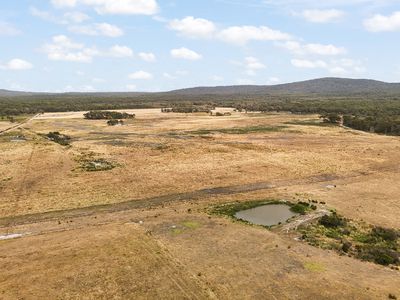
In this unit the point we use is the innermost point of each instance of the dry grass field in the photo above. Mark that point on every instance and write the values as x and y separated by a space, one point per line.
142 229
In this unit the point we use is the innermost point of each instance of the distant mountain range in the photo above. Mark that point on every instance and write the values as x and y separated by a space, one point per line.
322 86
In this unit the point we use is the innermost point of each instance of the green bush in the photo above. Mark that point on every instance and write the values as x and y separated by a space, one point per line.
300 208
114 122
379 255
107 115
332 221
389 235
59 138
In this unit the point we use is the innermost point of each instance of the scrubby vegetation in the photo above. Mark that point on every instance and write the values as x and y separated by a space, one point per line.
90 162
114 122
97 165
370 243
332 221
59 138
107 115
302 207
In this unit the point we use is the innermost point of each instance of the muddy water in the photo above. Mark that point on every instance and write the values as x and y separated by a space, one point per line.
266 215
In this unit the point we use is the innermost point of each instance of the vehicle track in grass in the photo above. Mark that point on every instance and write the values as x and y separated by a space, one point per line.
18 125
157 201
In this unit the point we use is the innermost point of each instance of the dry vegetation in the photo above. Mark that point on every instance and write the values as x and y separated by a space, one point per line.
170 168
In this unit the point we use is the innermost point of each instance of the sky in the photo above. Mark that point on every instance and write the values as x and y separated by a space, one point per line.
160 45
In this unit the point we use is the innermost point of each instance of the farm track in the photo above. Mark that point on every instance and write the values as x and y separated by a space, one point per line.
15 126
161 200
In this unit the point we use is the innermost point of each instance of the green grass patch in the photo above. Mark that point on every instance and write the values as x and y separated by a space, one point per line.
184 227
310 122
191 224
314 267
302 207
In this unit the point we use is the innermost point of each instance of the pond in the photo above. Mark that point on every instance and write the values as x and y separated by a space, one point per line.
266 215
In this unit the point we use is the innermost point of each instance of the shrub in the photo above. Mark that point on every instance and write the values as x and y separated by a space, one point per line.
379 255
114 122
59 138
300 207
332 118
99 164
389 235
346 246
107 115
332 221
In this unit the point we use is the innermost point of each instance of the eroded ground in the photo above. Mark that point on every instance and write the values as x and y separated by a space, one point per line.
161 242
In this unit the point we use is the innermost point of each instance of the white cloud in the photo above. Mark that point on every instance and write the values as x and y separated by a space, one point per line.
44 15
185 53
131 87
7 29
317 49
17 64
141 75
252 64
64 3
217 78
273 80
193 27
240 35
169 76
120 51
76 17
343 66
379 22
322 15
64 49
126 7
147 56
308 64
67 18
97 29
244 81
324 49
182 72
88 88
324 4
98 80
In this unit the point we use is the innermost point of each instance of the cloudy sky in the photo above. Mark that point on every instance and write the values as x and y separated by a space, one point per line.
157 45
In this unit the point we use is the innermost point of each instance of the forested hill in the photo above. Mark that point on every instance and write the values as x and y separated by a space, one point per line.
322 86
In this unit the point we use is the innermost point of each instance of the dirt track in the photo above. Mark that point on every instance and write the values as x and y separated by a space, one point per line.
155 201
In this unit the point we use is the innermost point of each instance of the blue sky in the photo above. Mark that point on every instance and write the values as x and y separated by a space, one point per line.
158 45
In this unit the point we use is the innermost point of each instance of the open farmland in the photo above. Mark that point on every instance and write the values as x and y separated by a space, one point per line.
142 229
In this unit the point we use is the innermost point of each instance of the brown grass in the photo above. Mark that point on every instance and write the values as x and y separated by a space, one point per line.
156 156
